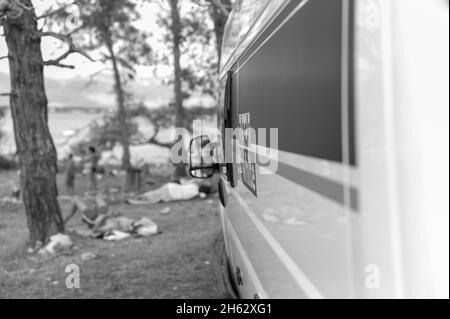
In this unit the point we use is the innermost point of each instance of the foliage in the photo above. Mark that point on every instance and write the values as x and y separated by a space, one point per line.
101 23
107 29
163 117
106 135
198 54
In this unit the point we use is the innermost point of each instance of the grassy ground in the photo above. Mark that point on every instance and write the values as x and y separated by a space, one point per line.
182 262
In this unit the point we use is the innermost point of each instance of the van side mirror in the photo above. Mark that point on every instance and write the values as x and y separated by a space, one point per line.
202 163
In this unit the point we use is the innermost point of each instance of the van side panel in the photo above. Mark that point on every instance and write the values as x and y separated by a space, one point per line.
293 227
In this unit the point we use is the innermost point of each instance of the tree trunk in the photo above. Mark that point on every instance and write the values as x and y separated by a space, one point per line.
176 37
125 140
219 19
35 147
180 168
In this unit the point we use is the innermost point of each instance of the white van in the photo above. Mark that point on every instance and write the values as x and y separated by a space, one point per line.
357 206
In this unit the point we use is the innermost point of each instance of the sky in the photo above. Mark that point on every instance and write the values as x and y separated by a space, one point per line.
84 67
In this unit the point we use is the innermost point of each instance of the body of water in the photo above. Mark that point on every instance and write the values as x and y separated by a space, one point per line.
62 124
59 123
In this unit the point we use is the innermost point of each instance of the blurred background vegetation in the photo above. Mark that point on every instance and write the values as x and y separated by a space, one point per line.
121 75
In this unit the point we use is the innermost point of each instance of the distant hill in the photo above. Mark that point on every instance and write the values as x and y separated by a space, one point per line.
99 94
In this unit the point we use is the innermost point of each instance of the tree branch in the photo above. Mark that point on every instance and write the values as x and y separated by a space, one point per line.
51 12
24 7
200 4
55 35
59 65
162 6
72 49
216 3
12 93
93 76
12 9
160 144
219 5
4 57
154 141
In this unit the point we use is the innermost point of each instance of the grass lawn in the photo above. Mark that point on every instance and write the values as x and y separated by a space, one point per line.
182 262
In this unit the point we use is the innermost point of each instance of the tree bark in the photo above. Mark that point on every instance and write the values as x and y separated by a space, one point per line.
219 15
176 39
35 147
125 140
180 168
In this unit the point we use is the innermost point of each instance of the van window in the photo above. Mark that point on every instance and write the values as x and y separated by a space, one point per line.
291 80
